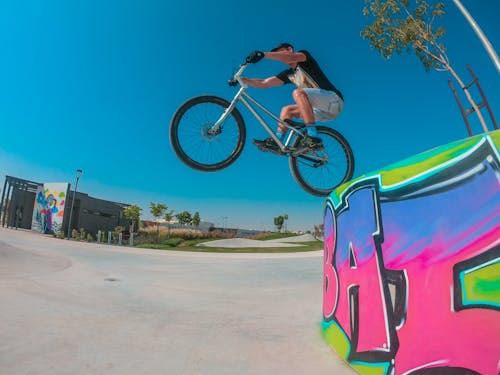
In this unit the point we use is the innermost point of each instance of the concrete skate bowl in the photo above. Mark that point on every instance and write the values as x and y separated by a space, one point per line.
412 264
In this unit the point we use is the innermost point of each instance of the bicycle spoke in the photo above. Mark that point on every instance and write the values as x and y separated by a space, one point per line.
197 143
319 172
202 147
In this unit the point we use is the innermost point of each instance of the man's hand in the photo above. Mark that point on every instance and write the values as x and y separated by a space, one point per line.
255 57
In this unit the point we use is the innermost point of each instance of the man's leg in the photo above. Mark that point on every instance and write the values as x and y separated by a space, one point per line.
304 106
288 113
306 110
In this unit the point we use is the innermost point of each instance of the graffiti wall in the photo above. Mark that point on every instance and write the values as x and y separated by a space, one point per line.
412 264
48 212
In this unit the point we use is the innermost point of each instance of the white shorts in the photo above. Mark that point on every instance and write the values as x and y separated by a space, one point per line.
326 104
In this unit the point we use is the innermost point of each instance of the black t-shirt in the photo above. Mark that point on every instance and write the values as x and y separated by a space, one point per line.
308 74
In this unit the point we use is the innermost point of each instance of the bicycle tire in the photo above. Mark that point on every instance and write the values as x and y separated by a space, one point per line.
340 166
198 149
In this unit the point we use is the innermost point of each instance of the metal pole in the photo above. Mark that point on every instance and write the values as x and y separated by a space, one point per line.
7 203
462 111
480 34
3 196
78 174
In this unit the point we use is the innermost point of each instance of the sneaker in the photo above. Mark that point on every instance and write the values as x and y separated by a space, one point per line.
267 145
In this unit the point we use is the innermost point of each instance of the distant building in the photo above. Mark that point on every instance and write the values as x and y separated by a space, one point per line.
46 207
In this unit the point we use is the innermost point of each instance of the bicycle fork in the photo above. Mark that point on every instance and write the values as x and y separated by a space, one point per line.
215 128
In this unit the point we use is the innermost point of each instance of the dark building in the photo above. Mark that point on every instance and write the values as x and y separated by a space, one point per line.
18 198
92 214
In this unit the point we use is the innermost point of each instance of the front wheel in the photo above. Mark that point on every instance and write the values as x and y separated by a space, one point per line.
197 143
319 172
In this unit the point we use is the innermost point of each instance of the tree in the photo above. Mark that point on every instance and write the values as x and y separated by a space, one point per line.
169 215
195 220
319 231
278 222
133 213
285 218
184 218
400 25
157 210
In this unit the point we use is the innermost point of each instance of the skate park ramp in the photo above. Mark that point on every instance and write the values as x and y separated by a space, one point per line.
412 264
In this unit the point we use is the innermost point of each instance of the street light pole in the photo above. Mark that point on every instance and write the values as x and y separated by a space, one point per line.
78 174
480 34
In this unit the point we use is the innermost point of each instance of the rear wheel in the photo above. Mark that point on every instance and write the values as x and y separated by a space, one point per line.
196 143
319 172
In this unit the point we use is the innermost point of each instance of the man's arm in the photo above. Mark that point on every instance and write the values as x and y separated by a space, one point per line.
286 57
263 83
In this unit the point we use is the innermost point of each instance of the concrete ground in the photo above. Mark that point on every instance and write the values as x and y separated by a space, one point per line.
76 308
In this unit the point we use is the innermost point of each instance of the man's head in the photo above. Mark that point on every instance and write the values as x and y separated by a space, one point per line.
283 47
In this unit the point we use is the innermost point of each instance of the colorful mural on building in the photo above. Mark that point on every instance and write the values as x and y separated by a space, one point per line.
412 264
48 212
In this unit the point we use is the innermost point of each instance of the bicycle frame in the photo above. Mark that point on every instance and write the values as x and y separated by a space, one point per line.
246 99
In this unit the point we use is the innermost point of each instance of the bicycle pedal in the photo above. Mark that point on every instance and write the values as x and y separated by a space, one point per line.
297 153
275 152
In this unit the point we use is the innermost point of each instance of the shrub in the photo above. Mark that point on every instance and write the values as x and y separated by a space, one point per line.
82 234
119 229
151 235
173 242
104 236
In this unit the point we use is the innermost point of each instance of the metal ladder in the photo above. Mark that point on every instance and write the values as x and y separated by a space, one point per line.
484 103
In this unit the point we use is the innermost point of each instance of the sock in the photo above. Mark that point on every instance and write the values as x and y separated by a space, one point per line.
279 135
311 130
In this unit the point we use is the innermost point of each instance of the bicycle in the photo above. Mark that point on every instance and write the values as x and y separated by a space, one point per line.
208 134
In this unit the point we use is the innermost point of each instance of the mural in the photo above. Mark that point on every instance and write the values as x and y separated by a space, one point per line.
48 212
412 264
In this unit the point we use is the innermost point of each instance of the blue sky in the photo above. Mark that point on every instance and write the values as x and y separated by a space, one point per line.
94 84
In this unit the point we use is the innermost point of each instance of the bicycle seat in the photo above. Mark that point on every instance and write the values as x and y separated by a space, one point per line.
295 124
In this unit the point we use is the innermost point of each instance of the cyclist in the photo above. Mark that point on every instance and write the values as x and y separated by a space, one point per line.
316 98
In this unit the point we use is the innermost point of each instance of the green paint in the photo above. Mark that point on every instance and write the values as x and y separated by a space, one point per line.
338 340
495 136
482 286
371 369
420 164
423 162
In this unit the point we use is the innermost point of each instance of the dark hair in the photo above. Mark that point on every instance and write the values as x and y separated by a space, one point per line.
281 45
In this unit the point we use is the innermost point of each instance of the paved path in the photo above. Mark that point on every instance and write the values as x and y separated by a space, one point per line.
246 242
77 308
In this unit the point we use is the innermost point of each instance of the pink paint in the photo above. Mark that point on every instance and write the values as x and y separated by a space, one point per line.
434 332
413 246
330 287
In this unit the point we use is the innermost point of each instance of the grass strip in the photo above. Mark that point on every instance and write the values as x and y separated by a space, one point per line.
190 246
